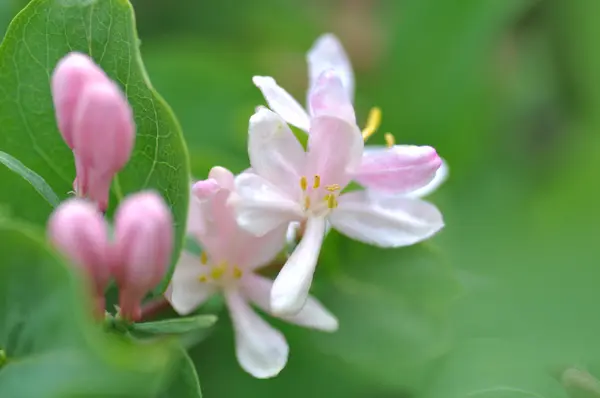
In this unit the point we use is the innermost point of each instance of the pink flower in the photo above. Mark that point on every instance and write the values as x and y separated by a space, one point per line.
227 265
95 121
288 184
79 231
409 170
143 246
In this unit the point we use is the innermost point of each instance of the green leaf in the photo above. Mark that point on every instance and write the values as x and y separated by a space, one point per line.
52 346
31 177
175 326
391 306
39 36
184 382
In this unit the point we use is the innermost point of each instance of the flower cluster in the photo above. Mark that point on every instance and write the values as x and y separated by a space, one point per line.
243 222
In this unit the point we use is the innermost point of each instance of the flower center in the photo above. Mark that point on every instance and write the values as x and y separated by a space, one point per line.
373 123
318 199
220 273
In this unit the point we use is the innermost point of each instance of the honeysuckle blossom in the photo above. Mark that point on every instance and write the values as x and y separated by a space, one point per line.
228 265
95 121
409 170
287 184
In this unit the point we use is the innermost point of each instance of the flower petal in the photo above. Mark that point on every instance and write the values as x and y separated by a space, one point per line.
313 315
335 150
257 251
328 97
261 350
290 289
441 176
186 292
385 221
400 169
282 103
275 153
260 207
328 53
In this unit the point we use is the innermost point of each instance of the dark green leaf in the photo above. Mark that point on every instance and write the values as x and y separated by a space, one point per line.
44 32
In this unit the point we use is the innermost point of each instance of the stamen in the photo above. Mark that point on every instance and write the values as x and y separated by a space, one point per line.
303 183
333 187
306 202
331 201
237 273
203 258
203 278
390 141
217 272
317 182
373 123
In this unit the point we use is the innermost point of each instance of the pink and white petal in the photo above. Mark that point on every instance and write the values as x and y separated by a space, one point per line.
400 169
261 207
335 149
255 252
186 292
223 177
328 53
261 350
282 103
195 218
441 176
313 315
385 221
275 153
290 289
328 97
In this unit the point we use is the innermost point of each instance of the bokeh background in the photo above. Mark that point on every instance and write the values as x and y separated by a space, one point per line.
504 302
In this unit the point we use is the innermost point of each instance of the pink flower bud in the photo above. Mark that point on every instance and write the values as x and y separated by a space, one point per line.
79 231
103 137
206 188
144 242
70 77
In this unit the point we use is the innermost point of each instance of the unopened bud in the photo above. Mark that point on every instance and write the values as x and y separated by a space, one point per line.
70 76
144 242
79 231
103 135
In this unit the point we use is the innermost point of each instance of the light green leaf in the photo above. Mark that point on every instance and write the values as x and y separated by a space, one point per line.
44 32
176 325
184 382
31 177
52 346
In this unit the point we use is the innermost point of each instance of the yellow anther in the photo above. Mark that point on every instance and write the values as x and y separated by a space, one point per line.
217 272
317 182
303 183
333 187
373 123
203 258
237 273
331 201
203 278
306 202
390 141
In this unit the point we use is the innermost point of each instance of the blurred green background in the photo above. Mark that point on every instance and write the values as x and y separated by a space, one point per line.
505 300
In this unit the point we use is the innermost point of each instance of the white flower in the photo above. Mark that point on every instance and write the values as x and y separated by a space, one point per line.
407 170
227 265
288 184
